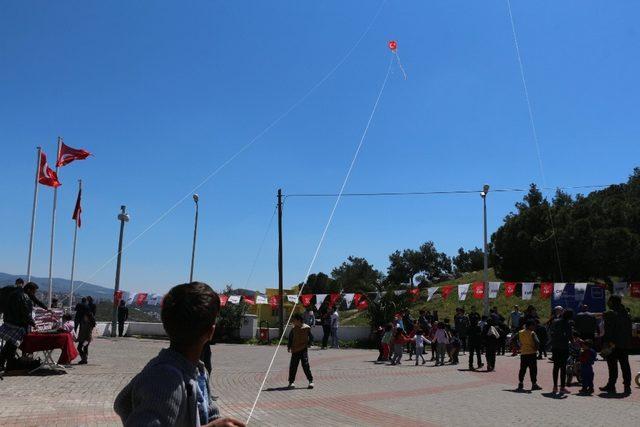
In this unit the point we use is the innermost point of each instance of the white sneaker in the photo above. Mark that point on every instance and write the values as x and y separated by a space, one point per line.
310 385
291 385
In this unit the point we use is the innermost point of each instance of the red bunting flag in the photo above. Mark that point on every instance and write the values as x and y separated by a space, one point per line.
509 289
68 155
362 305
356 299
333 298
635 290
78 209
546 290
478 290
46 175
249 300
223 299
274 301
415 294
446 290
141 298
305 299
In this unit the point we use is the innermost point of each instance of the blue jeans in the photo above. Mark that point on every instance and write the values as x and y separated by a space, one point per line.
334 338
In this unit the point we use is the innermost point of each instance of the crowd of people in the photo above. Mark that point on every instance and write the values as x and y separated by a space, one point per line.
573 340
16 307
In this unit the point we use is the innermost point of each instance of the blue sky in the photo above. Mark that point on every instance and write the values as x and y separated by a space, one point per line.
164 92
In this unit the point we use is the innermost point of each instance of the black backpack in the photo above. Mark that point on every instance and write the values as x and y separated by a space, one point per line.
5 296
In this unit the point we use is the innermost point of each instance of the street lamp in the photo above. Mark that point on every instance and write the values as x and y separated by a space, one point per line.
123 217
485 271
195 233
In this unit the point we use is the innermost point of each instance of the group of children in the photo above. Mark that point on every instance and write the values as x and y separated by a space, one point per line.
395 339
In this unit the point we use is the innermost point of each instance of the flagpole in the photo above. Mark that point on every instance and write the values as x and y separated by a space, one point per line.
53 226
33 214
73 257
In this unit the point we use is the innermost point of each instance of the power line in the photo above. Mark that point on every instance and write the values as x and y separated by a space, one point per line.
441 192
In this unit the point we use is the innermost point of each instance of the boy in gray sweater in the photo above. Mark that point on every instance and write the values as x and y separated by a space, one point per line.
173 389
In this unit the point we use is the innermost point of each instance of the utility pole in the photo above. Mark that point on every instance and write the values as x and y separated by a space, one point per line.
485 270
123 217
280 289
195 234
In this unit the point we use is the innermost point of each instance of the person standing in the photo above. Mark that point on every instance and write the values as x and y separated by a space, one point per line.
587 359
298 345
81 309
528 348
514 319
561 336
461 324
491 335
310 317
335 324
123 316
326 328
474 340
441 338
617 337
17 319
586 324
92 306
85 334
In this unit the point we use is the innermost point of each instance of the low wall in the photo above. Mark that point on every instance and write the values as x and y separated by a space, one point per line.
249 330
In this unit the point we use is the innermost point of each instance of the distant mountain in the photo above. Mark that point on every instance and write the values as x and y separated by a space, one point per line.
62 286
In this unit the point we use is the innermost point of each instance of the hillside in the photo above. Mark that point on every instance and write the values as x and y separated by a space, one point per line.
61 286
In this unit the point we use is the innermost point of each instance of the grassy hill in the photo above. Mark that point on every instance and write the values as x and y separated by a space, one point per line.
446 308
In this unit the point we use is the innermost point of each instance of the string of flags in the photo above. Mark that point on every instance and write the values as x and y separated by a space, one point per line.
359 301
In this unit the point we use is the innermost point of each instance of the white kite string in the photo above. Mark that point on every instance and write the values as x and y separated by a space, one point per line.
400 64
249 144
534 131
324 233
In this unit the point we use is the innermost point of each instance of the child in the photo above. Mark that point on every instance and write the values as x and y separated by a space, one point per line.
399 340
455 345
173 389
87 323
420 341
299 339
528 355
587 358
442 339
386 342
67 323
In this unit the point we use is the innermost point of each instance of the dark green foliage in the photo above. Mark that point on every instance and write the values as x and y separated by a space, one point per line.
432 265
468 261
356 275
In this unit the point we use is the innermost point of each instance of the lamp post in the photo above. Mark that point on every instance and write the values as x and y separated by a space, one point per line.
195 234
485 270
123 217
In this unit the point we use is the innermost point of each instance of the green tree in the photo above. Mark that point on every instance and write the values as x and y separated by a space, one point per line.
356 275
320 283
467 261
427 262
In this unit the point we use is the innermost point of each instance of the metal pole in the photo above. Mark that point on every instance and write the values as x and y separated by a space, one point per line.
123 217
53 226
73 257
33 214
195 234
485 272
280 288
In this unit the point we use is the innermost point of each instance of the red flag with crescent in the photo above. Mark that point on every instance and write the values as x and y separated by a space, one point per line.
446 290
478 290
546 290
305 299
509 289
46 175
68 155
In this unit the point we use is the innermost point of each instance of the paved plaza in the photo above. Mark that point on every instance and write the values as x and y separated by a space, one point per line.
350 390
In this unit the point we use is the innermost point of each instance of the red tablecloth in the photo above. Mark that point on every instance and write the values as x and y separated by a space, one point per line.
39 342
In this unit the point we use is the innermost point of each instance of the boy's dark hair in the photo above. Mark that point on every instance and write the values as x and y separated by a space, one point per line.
66 317
19 281
297 316
30 286
188 311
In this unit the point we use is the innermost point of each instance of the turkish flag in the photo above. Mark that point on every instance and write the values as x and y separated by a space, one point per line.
78 209
415 294
274 302
117 296
141 298
249 300
546 290
362 305
333 298
68 155
635 290
305 299
446 290
46 175
223 300
478 290
509 289
356 299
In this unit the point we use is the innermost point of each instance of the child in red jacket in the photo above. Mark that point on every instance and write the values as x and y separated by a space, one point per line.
399 340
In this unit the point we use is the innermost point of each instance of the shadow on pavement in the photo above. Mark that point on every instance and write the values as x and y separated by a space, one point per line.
612 395
515 390
554 395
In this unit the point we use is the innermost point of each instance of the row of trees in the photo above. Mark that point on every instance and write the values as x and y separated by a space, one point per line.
593 237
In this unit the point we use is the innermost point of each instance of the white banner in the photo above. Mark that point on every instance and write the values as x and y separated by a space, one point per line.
494 288
234 299
620 288
319 300
580 290
292 299
154 299
527 291
261 299
558 289
431 292
348 299
132 298
462 291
